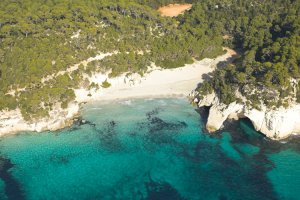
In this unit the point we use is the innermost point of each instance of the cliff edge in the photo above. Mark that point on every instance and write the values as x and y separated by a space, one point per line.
276 124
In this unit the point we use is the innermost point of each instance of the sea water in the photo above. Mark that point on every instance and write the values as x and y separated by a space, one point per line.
148 149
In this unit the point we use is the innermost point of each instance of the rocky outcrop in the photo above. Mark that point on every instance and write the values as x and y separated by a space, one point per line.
12 120
275 124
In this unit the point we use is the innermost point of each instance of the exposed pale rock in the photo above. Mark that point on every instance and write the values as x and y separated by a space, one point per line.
218 112
12 121
275 124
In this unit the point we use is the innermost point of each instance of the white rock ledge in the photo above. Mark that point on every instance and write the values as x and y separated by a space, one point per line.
275 124
13 122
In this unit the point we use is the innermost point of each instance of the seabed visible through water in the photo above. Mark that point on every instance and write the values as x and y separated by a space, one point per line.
148 149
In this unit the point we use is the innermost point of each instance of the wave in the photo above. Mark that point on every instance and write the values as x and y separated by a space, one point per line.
127 102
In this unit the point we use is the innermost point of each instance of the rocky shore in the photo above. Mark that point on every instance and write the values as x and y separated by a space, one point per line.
13 122
275 124
156 82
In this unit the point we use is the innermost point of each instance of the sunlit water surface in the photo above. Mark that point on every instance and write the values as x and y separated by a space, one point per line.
148 149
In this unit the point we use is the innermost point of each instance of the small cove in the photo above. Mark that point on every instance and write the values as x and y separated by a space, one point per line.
148 149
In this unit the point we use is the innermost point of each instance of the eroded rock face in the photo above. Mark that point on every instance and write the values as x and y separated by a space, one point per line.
12 121
275 124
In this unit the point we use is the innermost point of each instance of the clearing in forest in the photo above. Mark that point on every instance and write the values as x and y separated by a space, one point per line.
173 10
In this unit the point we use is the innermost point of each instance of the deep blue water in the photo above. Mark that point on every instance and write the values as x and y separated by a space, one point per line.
148 149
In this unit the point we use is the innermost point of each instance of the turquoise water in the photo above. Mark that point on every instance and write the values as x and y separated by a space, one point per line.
148 149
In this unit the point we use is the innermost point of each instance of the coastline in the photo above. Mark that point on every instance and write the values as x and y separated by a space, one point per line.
156 83
276 124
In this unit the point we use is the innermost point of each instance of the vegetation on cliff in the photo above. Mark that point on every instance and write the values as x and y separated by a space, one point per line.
267 33
42 37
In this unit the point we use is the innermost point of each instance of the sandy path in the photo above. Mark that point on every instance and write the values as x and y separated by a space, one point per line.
173 10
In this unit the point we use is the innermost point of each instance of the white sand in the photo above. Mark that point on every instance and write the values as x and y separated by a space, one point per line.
157 83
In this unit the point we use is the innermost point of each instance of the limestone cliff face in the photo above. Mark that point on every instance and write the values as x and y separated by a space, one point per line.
12 121
275 124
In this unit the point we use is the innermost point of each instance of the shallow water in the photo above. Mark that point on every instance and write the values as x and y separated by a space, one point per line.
148 149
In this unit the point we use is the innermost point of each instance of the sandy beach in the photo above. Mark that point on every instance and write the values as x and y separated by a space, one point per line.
156 83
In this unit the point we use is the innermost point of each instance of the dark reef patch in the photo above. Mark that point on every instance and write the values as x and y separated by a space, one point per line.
251 170
108 136
12 188
77 125
258 165
222 197
157 125
158 130
61 159
152 113
161 191
80 122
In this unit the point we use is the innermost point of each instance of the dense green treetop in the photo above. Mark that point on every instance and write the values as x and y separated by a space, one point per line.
38 38
267 33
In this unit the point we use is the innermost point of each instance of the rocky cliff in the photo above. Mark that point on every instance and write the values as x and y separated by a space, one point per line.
12 121
275 124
